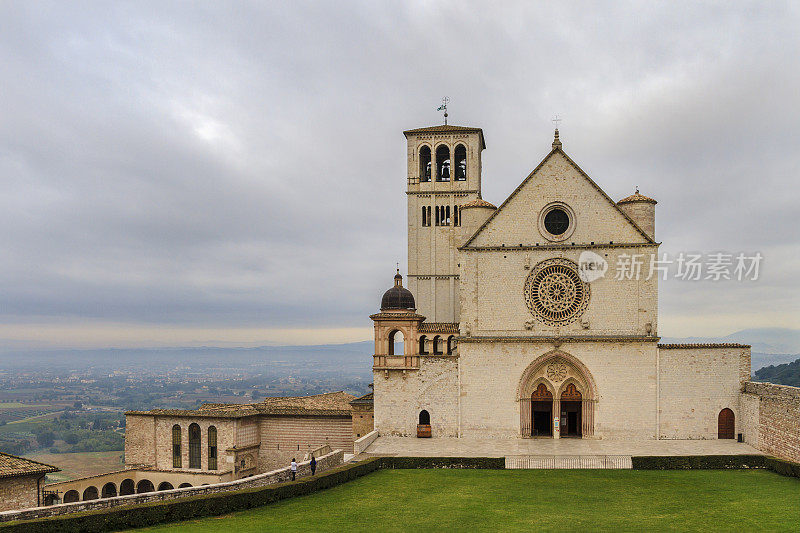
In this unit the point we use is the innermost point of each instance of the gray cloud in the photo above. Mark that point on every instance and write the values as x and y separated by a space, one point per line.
242 165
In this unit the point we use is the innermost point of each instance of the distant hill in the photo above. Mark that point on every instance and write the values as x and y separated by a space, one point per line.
770 346
785 374
355 354
763 340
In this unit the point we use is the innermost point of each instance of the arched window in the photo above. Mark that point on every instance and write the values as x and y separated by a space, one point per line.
461 162
72 496
396 343
424 217
176 446
429 215
184 485
424 418
438 218
90 494
194 446
165 485
455 216
422 349
443 163
212 448
451 342
437 345
425 164
447 216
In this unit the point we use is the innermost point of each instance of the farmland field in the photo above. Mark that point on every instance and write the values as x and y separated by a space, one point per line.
75 465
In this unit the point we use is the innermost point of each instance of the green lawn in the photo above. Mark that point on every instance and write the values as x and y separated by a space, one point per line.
516 500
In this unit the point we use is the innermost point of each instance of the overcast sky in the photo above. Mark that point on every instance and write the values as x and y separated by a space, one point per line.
234 173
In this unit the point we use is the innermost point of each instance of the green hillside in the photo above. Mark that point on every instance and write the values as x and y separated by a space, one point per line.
521 500
785 374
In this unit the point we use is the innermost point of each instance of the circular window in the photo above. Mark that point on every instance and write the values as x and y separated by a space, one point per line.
554 293
556 221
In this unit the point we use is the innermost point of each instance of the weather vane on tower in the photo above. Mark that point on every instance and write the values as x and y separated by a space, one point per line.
443 107
556 120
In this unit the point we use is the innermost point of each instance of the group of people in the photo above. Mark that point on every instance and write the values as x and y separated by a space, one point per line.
312 464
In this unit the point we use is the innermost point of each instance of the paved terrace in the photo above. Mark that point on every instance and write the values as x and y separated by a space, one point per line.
474 447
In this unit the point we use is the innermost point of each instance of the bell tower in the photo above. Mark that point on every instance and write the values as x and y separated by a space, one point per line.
444 173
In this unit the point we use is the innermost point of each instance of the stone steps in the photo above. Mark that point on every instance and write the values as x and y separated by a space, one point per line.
553 462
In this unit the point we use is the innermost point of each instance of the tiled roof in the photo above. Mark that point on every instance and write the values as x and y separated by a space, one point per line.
703 345
478 202
447 128
331 403
439 327
13 466
367 398
636 197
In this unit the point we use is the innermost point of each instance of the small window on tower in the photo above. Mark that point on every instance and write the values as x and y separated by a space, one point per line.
424 217
455 215
443 163
461 162
425 164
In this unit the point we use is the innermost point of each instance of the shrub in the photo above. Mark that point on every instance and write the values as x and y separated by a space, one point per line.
784 468
445 462
147 514
702 462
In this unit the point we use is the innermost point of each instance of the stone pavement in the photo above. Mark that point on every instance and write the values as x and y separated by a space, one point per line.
472 447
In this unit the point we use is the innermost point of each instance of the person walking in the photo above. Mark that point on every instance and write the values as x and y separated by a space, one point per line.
294 468
313 465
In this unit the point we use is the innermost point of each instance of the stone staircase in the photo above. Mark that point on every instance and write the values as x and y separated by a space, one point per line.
552 462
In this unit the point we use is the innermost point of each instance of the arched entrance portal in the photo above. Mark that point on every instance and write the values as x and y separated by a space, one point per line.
557 397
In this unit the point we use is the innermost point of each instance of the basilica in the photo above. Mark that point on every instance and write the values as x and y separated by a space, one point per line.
513 324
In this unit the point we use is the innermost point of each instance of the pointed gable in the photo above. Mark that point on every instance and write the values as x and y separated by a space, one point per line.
558 179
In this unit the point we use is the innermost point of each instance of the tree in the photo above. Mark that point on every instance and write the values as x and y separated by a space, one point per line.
46 439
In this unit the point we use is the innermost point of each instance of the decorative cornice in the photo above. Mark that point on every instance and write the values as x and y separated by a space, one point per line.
463 192
528 247
678 346
559 339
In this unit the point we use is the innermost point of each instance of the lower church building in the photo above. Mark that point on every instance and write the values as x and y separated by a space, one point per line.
514 324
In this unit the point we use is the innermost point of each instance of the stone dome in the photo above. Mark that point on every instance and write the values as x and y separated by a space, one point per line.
398 297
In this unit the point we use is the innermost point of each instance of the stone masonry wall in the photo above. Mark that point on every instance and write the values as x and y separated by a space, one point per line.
775 427
140 444
624 374
363 420
696 384
400 398
19 492
292 436
268 478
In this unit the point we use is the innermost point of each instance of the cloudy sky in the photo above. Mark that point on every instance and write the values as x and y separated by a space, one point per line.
233 173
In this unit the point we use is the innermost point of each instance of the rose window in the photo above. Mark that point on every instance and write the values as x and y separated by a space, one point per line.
554 293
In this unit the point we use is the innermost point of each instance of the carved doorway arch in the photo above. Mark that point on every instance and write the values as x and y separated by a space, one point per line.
572 396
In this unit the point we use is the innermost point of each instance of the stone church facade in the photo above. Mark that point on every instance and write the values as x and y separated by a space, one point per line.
509 329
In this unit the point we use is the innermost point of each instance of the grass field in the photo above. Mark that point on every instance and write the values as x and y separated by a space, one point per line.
515 500
75 465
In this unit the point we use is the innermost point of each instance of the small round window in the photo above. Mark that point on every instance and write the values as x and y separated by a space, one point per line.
556 221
